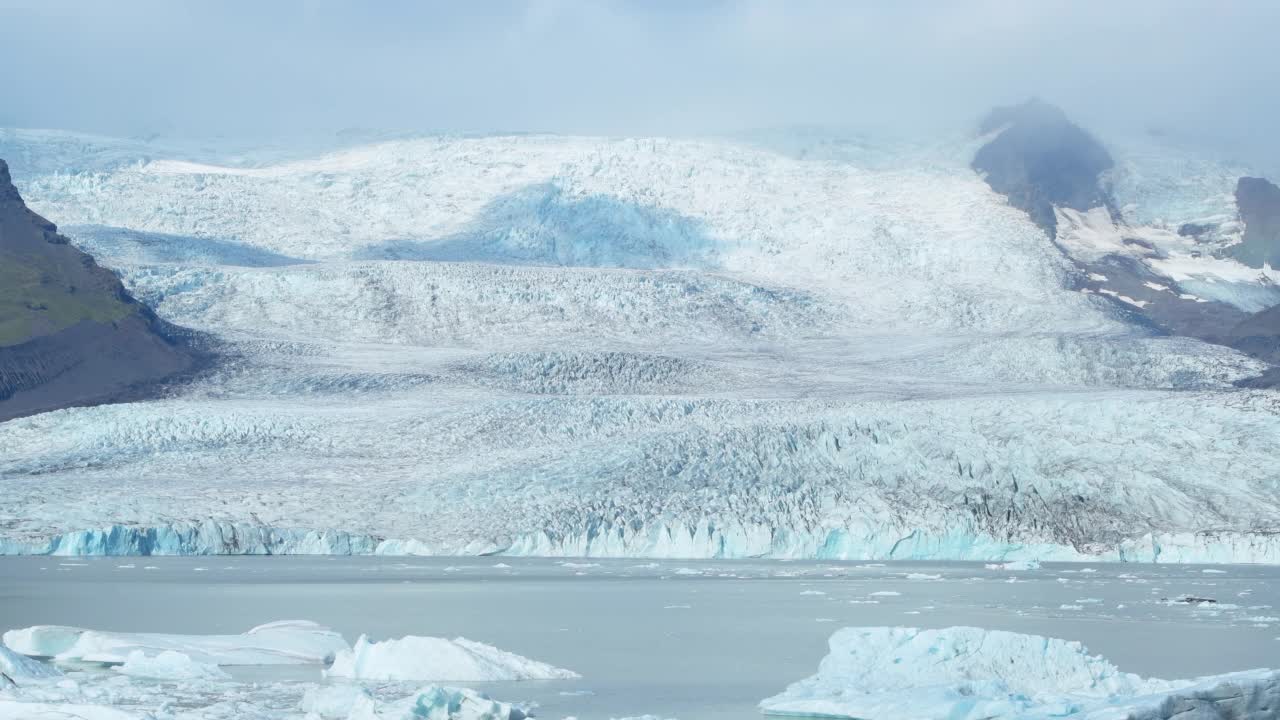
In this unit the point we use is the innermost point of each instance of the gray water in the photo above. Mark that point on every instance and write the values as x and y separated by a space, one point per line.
652 637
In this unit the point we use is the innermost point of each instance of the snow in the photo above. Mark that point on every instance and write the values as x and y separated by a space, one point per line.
169 665
1190 266
438 659
962 673
661 348
291 642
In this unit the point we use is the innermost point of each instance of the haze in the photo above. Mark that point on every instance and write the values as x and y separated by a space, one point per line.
273 69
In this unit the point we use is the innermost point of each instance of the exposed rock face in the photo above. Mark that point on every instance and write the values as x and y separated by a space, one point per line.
70 334
1041 160
1259 204
1259 335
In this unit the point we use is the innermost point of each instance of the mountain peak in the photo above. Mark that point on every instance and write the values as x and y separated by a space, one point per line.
1258 201
7 191
1040 161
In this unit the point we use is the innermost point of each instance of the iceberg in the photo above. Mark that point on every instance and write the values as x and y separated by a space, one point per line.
438 659
169 665
17 667
967 673
289 642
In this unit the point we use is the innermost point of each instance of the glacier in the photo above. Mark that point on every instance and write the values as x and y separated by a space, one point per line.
557 345
959 673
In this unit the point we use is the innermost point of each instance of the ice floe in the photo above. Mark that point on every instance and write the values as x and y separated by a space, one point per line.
169 665
1015 565
966 673
438 703
353 702
435 659
16 710
289 642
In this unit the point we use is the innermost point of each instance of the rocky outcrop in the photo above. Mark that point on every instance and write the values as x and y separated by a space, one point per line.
70 334
1259 335
1258 201
1040 160
1047 166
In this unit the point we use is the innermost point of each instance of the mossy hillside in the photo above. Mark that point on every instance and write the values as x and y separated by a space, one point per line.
36 298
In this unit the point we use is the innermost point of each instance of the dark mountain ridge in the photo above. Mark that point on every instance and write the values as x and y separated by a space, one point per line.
70 334
1040 161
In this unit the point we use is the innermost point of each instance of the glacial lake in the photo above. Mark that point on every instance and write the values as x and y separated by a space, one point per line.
693 640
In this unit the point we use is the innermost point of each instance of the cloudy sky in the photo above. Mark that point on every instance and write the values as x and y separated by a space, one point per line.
240 67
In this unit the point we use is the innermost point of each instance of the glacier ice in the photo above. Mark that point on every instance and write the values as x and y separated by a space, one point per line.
758 354
961 673
438 659
20 668
289 642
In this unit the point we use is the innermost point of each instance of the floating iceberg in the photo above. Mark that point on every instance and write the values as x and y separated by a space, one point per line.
290 642
169 665
18 668
965 673
438 659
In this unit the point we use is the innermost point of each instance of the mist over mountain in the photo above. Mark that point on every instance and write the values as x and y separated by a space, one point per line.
143 68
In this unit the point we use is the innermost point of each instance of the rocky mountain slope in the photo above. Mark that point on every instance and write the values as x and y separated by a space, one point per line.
70 334
1259 203
1171 279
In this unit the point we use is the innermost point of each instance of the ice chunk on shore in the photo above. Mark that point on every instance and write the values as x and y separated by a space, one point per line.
965 673
290 642
169 665
19 667
438 659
